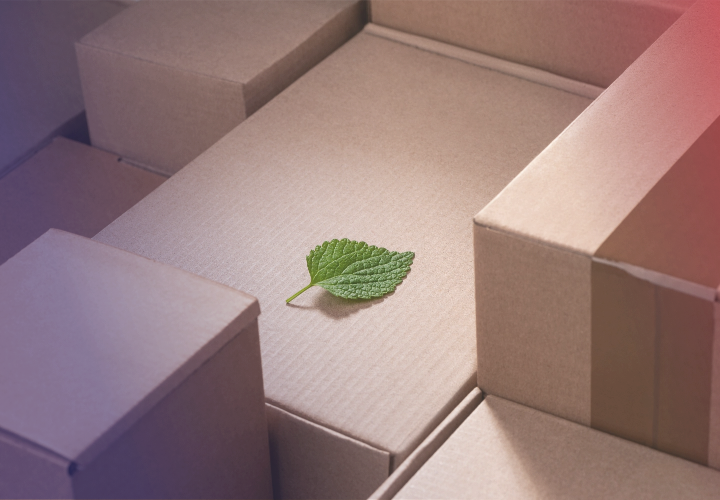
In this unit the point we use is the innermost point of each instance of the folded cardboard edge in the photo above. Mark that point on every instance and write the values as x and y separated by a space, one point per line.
428 447
203 355
485 61
654 277
310 460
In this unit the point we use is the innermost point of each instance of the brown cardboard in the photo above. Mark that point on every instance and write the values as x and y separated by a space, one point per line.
505 450
166 80
630 191
68 186
299 449
590 41
400 148
428 447
40 95
137 379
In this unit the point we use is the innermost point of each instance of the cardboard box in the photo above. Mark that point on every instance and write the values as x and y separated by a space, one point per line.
592 41
505 450
68 186
40 95
596 268
389 142
126 378
165 80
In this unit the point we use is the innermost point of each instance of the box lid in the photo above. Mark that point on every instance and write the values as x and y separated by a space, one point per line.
506 450
582 186
94 336
232 41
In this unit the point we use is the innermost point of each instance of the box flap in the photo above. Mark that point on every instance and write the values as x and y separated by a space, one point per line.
577 191
505 450
383 143
674 230
232 41
94 336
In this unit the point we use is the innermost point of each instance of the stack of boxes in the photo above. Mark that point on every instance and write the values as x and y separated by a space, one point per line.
594 297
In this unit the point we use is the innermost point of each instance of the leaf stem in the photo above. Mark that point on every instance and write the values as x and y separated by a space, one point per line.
301 291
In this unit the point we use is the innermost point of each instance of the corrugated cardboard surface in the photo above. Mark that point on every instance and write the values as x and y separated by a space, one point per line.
310 461
528 352
673 229
577 192
73 375
68 186
165 80
505 450
590 41
39 84
28 471
428 447
205 439
382 143
644 214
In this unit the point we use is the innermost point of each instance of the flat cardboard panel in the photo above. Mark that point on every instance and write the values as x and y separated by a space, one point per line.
579 190
311 461
166 80
68 186
428 447
623 354
590 41
74 343
156 115
39 85
505 450
686 330
400 149
669 230
182 450
533 324
30 472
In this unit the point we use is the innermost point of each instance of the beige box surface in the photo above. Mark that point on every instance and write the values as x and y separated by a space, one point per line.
592 41
68 186
165 80
40 95
597 269
126 378
506 450
381 142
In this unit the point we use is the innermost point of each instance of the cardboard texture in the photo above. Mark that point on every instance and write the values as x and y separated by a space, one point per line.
428 447
505 450
590 41
40 95
310 461
619 263
384 143
126 378
68 186
165 80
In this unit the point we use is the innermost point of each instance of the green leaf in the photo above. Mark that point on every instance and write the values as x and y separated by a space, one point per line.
355 270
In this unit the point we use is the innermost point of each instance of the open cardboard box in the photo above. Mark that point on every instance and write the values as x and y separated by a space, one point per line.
69 186
40 95
126 378
506 450
163 81
383 142
597 267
